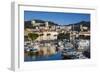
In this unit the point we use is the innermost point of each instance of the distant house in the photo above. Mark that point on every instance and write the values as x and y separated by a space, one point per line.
45 29
48 30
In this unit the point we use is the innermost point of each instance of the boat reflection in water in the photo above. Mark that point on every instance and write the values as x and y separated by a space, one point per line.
61 50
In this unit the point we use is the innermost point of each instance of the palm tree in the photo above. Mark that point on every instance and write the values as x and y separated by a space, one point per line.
33 36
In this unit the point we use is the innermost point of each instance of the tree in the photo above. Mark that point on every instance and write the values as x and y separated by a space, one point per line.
62 36
33 36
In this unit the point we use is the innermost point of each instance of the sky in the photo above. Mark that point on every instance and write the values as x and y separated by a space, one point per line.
60 18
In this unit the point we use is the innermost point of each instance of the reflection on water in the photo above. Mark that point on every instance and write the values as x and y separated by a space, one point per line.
56 56
58 51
